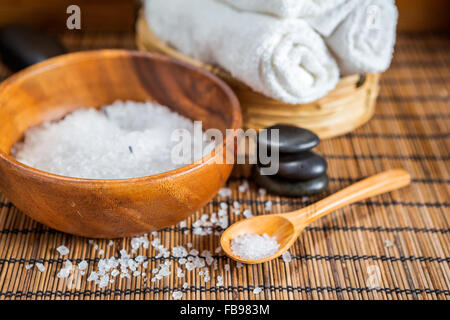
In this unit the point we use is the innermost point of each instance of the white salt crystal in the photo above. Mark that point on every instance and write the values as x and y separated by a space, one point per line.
226 267
247 213
218 249
66 271
262 192
63 250
239 265
206 277
40 267
268 205
185 285
287 257
179 252
177 295
243 187
93 276
257 290
254 246
110 243
29 266
115 273
189 245
101 252
388 243
183 224
225 192
219 282
124 140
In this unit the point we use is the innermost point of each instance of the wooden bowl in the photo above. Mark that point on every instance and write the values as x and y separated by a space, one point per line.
111 208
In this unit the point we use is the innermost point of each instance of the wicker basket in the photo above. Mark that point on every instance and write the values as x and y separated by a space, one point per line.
348 106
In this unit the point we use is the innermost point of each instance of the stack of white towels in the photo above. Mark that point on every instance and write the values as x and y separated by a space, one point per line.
289 50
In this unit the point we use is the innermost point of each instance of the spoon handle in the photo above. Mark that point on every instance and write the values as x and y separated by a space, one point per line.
372 186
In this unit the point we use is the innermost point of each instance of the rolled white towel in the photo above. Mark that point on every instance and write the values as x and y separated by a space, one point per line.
364 41
287 8
282 59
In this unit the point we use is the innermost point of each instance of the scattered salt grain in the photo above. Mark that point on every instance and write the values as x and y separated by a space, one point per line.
243 187
225 192
257 290
223 206
29 266
63 250
90 143
254 246
183 224
179 252
82 265
239 265
180 273
177 295
40 267
247 213
262 192
226 267
219 282
185 285
110 243
388 243
101 252
268 205
287 257
66 271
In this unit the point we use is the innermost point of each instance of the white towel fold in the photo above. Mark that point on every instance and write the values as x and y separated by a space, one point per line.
364 41
287 8
326 22
282 59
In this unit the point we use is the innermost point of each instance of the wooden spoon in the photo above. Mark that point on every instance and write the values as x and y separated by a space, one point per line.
287 227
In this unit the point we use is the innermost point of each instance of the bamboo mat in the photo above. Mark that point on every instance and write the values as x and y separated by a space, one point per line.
400 239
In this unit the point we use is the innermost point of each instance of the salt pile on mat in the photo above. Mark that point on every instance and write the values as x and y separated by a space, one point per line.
122 140
254 246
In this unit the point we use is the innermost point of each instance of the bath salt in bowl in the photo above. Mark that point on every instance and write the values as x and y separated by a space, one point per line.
109 208
122 140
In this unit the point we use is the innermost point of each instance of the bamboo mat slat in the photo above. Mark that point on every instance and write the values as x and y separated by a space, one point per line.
336 257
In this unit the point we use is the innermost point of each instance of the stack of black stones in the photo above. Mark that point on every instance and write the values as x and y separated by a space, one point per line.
301 171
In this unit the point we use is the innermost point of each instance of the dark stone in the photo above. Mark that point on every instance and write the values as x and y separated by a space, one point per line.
21 47
302 166
288 188
292 139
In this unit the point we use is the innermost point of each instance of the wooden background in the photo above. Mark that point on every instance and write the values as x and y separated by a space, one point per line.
119 15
